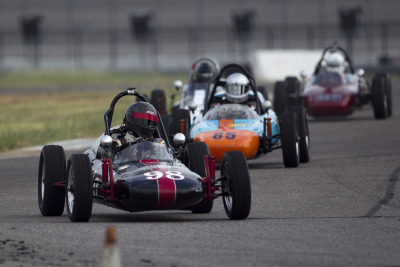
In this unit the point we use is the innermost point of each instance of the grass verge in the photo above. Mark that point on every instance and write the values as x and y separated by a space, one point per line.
39 117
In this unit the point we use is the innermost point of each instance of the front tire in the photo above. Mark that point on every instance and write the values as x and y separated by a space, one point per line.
193 158
52 170
290 140
79 194
304 134
236 186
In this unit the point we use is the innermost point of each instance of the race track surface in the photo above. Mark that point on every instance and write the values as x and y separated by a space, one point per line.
342 208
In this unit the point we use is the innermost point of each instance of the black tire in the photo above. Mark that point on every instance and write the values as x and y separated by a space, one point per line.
79 195
388 92
177 116
290 140
389 95
380 98
157 99
304 134
292 88
279 98
236 185
52 170
193 158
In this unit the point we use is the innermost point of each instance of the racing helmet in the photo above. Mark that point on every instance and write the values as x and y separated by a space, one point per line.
335 60
204 72
237 88
141 119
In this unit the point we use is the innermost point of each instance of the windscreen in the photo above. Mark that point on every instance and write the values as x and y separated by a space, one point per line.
143 150
231 111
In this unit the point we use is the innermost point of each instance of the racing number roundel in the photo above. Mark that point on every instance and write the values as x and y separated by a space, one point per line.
173 175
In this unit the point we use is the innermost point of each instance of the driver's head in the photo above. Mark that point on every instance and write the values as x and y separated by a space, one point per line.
141 119
237 88
335 60
204 72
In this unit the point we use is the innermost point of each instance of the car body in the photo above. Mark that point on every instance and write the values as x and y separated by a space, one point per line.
335 90
142 177
250 127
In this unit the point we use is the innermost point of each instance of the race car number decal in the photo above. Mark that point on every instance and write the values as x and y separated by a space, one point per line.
173 175
228 135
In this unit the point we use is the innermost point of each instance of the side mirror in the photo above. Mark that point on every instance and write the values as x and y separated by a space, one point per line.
106 141
179 139
178 85
192 106
360 72
266 105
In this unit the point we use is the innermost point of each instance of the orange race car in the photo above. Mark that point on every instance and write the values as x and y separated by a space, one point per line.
236 117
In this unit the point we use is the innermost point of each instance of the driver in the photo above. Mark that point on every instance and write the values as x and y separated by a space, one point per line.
140 123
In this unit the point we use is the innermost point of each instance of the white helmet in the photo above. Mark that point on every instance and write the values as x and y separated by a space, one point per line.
237 88
335 60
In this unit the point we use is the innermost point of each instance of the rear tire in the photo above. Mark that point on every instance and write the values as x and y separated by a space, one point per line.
290 140
236 185
79 196
52 170
177 115
292 88
158 100
279 98
193 158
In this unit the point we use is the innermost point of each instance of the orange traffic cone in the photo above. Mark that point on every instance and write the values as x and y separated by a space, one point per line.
110 256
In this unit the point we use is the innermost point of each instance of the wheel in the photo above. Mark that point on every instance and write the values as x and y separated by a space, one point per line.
236 186
177 116
292 88
279 98
380 98
388 91
304 144
389 96
79 194
157 99
193 158
290 139
51 170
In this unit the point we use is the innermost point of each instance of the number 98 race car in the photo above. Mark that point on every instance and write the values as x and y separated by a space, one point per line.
144 176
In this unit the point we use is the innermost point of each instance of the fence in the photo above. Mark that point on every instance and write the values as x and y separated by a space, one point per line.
176 48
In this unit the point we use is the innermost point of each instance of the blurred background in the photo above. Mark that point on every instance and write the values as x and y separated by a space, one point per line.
156 35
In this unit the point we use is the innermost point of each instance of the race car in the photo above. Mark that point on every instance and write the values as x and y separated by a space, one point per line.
192 95
335 89
144 176
242 122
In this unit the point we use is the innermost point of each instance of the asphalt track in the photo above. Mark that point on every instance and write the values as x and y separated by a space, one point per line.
340 209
